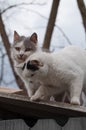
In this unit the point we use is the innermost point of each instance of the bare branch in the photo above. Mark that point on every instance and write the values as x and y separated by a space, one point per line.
59 28
36 12
68 40
44 17
8 83
21 4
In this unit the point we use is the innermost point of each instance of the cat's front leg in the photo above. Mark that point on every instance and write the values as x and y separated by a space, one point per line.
76 90
41 94
30 88
30 92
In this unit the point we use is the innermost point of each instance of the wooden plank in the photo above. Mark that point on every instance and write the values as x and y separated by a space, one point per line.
22 106
11 90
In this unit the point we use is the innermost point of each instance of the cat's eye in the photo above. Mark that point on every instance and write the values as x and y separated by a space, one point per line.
27 49
17 48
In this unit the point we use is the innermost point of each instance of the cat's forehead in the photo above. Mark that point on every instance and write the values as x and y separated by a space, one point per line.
25 42
19 44
29 44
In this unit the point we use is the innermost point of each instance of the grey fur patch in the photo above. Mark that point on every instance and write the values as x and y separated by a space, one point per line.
21 38
26 42
29 44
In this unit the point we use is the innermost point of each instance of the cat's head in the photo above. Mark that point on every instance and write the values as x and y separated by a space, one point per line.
23 46
34 68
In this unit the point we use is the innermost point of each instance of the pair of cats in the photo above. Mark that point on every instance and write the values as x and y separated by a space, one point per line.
54 72
21 49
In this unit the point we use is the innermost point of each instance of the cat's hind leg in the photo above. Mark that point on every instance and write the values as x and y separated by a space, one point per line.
76 89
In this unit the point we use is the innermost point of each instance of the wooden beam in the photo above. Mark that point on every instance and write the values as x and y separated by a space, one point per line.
22 106
12 90
9 90
51 23
82 9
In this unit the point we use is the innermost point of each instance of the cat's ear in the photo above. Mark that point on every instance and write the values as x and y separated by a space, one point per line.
33 38
36 63
16 36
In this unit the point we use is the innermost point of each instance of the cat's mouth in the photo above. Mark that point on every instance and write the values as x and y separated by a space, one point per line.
21 58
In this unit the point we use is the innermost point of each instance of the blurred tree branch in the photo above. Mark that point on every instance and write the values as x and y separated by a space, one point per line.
20 4
51 23
67 39
82 8
7 47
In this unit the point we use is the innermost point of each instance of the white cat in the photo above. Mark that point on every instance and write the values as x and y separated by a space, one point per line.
21 49
58 72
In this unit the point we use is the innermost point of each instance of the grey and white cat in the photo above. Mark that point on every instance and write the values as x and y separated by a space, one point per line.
21 49
58 72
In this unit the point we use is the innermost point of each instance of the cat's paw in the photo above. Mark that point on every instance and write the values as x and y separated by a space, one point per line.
35 98
75 101
39 98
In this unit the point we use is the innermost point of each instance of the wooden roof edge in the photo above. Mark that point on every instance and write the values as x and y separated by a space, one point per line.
49 109
12 90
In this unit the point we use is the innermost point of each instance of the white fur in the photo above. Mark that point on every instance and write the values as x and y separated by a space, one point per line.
62 71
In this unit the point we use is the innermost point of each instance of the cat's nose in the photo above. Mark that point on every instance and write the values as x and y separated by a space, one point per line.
21 55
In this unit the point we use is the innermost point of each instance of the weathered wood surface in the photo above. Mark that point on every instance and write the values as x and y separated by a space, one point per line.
20 106
10 90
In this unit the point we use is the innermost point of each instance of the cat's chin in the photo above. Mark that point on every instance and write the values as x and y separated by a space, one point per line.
20 60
